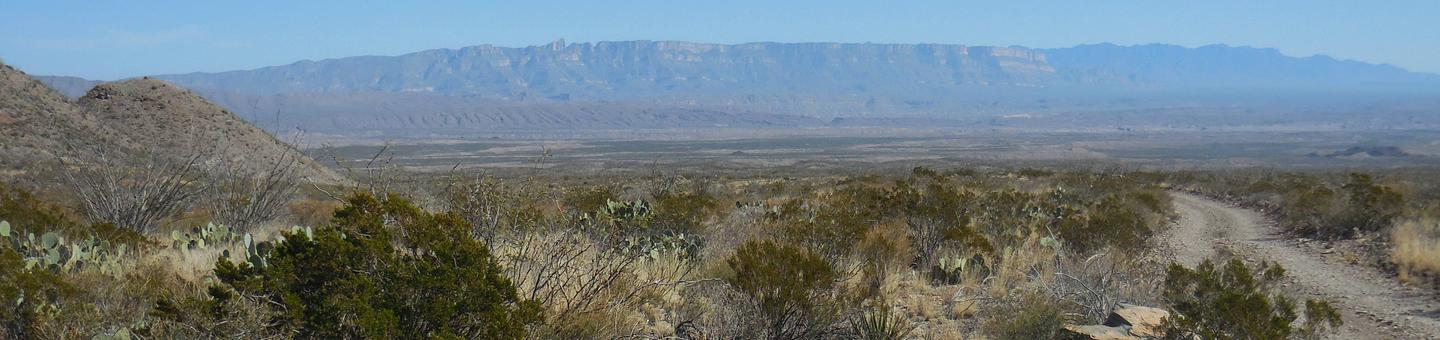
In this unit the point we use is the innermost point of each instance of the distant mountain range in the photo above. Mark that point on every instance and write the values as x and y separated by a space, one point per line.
667 84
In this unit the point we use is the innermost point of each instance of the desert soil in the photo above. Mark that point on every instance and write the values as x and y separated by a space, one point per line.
1373 304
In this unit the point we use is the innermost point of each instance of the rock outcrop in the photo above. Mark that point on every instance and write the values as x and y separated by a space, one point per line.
1125 322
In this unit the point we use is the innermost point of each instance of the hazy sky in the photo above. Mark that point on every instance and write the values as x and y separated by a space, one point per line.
109 39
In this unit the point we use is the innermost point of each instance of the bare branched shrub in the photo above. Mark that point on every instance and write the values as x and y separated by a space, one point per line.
1100 282
581 283
137 193
244 198
378 175
491 206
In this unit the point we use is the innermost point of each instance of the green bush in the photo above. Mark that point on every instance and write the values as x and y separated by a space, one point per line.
682 213
789 289
1112 222
1234 302
589 198
1371 206
385 269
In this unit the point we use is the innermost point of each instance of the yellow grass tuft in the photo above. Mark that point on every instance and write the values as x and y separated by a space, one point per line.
1416 247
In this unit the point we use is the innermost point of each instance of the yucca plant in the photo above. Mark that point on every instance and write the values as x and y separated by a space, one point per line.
880 323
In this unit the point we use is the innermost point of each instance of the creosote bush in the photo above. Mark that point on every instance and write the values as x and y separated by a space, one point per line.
1237 302
385 269
790 291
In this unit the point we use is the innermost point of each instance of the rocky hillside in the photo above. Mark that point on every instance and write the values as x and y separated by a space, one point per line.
168 119
37 123
135 117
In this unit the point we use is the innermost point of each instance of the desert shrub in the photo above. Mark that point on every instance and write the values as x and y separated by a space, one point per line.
28 295
29 214
243 198
1322 206
682 213
1027 315
1307 210
789 290
384 268
831 223
219 313
1097 284
584 286
1236 302
938 216
1111 222
589 198
491 207
313 212
884 251
137 195
1371 207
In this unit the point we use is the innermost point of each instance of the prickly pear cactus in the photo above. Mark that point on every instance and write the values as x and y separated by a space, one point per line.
51 251
203 237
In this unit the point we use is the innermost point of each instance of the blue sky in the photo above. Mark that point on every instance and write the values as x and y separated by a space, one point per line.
109 39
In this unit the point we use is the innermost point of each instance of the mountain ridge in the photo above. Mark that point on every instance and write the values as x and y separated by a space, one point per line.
616 85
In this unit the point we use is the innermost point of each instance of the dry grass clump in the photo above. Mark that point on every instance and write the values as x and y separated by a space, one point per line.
1416 247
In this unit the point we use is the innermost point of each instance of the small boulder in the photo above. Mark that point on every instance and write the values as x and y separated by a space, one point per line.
1140 320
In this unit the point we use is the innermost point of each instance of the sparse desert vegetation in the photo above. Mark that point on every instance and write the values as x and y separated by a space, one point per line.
159 181
932 253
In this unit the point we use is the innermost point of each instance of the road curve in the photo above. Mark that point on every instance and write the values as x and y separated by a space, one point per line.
1373 304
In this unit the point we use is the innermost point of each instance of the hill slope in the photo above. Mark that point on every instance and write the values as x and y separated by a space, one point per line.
170 120
134 117
37 123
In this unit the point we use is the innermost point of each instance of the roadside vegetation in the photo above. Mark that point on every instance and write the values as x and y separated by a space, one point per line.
928 253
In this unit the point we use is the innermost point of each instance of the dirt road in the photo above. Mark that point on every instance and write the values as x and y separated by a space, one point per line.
1374 305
